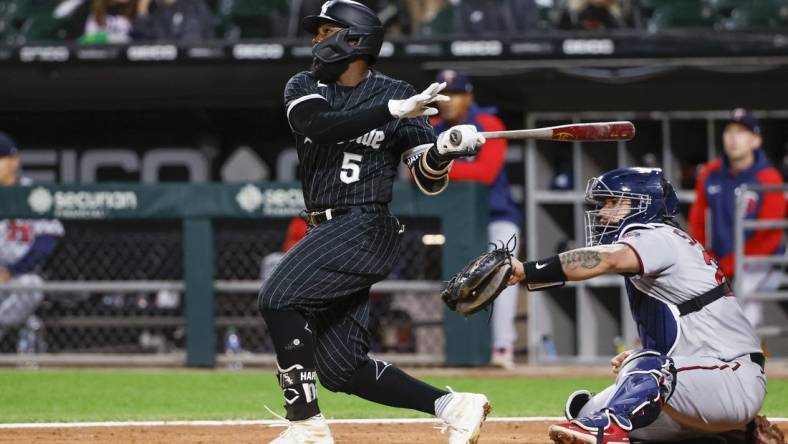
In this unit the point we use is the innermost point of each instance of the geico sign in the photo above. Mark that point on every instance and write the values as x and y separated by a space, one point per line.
152 52
258 51
588 46
71 166
44 54
477 48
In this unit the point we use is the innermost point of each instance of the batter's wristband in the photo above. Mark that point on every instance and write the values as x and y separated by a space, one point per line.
544 271
435 161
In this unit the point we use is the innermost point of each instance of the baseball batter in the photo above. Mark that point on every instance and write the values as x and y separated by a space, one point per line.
24 246
701 369
352 126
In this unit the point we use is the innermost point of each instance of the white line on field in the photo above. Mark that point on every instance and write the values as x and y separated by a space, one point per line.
72 425
264 422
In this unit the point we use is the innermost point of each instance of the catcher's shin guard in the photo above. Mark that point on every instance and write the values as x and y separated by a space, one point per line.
300 391
644 385
575 403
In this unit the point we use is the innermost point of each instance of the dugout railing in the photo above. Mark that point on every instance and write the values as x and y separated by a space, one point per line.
198 210
774 300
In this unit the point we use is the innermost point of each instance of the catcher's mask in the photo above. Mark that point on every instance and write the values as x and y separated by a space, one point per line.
362 34
626 196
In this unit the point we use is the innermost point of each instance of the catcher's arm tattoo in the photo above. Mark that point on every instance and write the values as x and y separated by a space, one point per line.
585 263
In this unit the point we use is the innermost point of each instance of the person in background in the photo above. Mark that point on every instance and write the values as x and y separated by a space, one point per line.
592 15
296 231
182 21
110 21
742 162
487 168
24 246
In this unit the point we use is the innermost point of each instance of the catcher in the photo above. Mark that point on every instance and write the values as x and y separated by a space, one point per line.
701 370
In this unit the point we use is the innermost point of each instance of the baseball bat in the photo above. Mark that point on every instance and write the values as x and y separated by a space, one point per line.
576 132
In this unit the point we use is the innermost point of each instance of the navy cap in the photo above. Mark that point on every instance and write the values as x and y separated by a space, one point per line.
7 145
455 81
746 118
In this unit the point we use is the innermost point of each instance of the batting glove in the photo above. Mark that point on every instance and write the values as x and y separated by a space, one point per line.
459 141
416 106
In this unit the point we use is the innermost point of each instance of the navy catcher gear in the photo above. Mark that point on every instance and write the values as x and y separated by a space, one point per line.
644 385
363 34
651 196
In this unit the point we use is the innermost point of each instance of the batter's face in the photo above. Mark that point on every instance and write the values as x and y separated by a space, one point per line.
8 168
455 110
740 142
614 210
324 31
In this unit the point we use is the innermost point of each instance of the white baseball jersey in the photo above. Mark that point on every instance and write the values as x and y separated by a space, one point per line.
677 269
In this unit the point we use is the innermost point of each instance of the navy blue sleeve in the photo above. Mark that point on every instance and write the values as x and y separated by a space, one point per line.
42 247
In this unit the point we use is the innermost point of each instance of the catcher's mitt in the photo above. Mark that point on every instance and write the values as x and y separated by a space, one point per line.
480 282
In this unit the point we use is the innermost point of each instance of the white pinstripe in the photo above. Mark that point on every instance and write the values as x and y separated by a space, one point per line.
320 164
328 274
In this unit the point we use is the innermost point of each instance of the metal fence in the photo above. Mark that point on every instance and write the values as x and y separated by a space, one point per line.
115 287
765 296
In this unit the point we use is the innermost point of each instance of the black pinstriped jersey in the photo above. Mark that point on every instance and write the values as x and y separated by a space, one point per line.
360 170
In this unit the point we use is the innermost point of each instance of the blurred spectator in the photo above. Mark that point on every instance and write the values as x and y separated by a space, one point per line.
24 246
483 17
420 12
487 168
593 15
717 188
182 21
243 19
110 21
72 15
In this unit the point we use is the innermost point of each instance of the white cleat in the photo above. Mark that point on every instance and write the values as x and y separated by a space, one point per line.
309 431
463 417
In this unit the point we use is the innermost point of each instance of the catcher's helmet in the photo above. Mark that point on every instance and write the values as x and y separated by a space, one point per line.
363 33
651 196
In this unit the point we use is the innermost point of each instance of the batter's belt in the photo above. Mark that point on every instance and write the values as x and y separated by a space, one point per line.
315 218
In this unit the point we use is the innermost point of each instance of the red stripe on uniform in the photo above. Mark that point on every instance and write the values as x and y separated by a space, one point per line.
710 367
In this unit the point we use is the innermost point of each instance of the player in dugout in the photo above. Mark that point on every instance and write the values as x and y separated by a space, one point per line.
711 218
488 167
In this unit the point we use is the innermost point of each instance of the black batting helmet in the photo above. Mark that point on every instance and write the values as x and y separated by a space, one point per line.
362 27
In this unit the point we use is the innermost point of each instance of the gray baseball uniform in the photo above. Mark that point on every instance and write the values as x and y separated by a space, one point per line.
718 387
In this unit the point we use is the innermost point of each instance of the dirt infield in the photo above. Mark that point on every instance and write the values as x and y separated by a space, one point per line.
493 433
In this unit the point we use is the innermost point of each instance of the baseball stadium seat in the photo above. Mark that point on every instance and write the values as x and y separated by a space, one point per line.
667 14
757 14
253 18
33 20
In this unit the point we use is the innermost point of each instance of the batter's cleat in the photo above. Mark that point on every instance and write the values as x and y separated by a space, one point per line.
573 432
463 417
309 431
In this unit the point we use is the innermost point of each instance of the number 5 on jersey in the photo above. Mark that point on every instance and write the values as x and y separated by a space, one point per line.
351 170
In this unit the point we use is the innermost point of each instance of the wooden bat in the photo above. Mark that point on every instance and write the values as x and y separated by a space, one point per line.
576 132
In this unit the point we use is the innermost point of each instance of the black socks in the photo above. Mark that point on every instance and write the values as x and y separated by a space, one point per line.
294 354
381 382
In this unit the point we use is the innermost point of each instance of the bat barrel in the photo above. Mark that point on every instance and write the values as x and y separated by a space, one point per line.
598 131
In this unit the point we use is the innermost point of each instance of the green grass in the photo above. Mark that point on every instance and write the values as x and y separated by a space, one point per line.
66 395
